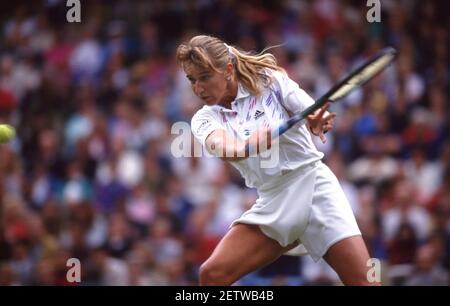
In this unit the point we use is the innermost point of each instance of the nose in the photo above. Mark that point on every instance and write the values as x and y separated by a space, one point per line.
198 90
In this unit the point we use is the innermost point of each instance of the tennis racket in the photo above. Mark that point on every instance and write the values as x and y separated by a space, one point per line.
355 79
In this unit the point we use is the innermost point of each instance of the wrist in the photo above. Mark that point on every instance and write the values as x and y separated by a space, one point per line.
312 131
242 149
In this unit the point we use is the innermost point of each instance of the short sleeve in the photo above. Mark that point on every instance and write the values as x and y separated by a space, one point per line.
203 123
293 97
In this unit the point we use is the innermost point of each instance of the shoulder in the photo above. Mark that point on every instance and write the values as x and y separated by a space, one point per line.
205 111
276 74
280 80
204 122
204 116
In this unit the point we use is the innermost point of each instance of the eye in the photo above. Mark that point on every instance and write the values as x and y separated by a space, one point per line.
204 77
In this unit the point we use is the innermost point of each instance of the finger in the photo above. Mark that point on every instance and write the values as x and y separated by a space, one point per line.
322 137
329 117
323 109
328 126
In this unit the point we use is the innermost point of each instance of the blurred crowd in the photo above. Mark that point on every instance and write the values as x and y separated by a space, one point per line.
91 174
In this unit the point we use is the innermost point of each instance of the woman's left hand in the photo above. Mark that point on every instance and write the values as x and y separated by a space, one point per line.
321 122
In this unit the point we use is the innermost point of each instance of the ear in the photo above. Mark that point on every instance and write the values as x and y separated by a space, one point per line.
229 67
229 70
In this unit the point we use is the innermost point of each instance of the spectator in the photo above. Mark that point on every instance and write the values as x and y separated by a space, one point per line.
91 174
427 272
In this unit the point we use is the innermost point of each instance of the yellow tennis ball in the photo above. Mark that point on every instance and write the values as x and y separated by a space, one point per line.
7 133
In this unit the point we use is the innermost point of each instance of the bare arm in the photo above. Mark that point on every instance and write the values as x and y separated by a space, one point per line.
229 148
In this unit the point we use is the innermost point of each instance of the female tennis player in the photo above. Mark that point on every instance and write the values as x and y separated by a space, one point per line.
301 207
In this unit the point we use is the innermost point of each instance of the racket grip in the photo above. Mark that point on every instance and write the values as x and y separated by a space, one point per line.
287 125
276 132
279 130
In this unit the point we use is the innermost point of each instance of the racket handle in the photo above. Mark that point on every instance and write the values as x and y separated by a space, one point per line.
299 117
279 130
296 118
286 125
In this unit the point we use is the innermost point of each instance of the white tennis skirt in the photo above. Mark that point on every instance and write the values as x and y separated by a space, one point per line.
306 205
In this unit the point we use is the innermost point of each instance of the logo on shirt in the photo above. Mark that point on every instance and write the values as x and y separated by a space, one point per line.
258 114
203 125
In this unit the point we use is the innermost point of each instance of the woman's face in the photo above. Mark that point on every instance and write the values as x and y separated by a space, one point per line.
208 85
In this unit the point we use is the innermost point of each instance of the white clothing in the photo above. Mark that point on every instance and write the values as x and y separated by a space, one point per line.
306 205
270 109
300 199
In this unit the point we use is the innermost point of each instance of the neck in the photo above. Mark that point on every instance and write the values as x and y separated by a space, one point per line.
230 95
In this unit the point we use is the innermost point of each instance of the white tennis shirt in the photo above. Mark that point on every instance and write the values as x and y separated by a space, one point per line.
270 109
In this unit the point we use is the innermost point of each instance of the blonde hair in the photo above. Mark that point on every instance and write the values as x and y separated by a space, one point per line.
211 53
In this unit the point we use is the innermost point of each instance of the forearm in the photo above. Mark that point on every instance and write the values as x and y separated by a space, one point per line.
225 147
229 148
